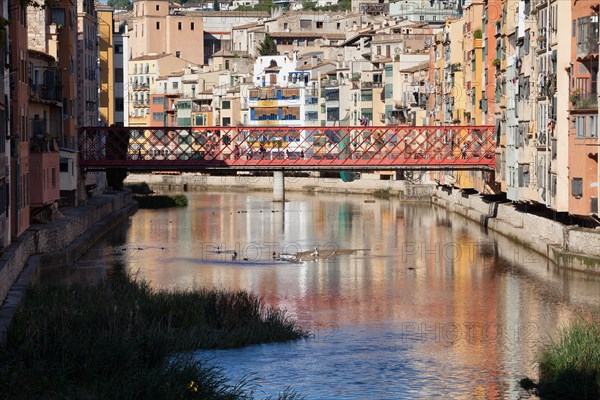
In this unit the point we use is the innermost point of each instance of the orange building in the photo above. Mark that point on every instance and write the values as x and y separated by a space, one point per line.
18 132
583 109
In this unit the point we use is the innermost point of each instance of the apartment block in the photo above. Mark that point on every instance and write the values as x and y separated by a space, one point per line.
18 129
54 32
113 72
45 115
87 64
143 72
5 126
583 109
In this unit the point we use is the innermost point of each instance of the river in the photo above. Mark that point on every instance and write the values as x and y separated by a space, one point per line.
404 301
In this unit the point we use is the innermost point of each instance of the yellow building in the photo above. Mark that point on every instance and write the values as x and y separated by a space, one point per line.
105 50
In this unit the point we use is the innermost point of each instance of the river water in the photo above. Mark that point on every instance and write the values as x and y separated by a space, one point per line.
404 301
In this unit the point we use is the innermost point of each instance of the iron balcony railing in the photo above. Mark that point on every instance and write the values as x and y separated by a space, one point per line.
46 92
585 101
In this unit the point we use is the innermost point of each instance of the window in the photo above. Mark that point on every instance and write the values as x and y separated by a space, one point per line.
157 24
592 130
119 104
226 64
158 100
192 26
179 26
200 119
118 49
577 187
305 24
118 75
58 16
157 8
226 121
226 105
580 127
175 85
178 54
64 165
285 25
319 24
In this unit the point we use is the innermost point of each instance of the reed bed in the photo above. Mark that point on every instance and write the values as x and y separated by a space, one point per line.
121 339
570 365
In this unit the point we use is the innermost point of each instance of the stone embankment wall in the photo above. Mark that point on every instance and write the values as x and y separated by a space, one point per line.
57 243
567 246
197 182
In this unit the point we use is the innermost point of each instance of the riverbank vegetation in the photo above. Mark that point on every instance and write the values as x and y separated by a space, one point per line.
120 339
161 201
570 365
139 188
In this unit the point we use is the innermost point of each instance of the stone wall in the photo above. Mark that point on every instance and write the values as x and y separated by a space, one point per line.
567 246
58 235
198 182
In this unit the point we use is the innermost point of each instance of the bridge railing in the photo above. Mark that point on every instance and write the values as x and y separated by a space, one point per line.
301 147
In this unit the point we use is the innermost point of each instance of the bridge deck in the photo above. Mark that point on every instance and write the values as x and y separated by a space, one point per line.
293 148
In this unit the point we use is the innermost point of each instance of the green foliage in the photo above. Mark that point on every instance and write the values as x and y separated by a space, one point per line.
263 5
120 4
477 34
267 47
345 5
309 5
342 5
119 340
570 366
139 188
161 201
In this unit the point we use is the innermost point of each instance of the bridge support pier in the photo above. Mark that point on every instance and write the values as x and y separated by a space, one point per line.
278 186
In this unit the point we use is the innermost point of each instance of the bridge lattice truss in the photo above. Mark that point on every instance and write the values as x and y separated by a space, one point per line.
294 148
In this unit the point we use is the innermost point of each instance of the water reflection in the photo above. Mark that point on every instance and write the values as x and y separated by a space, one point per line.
430 307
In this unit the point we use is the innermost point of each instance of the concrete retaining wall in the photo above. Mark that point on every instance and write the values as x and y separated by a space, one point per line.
57 236
567 246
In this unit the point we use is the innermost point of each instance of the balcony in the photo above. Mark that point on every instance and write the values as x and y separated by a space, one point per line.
46 92
584 101
369 85
330 83
587 37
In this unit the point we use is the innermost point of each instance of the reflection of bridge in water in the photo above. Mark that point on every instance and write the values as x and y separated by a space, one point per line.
288 148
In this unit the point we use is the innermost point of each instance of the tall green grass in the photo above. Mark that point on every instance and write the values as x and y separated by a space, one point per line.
570 365
118 340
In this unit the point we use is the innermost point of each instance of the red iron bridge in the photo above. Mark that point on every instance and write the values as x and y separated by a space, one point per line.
277 148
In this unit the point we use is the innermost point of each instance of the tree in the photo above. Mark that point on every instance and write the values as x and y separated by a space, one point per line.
120 4
267 47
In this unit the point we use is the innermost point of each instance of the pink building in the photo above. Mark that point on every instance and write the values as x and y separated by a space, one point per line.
155 31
